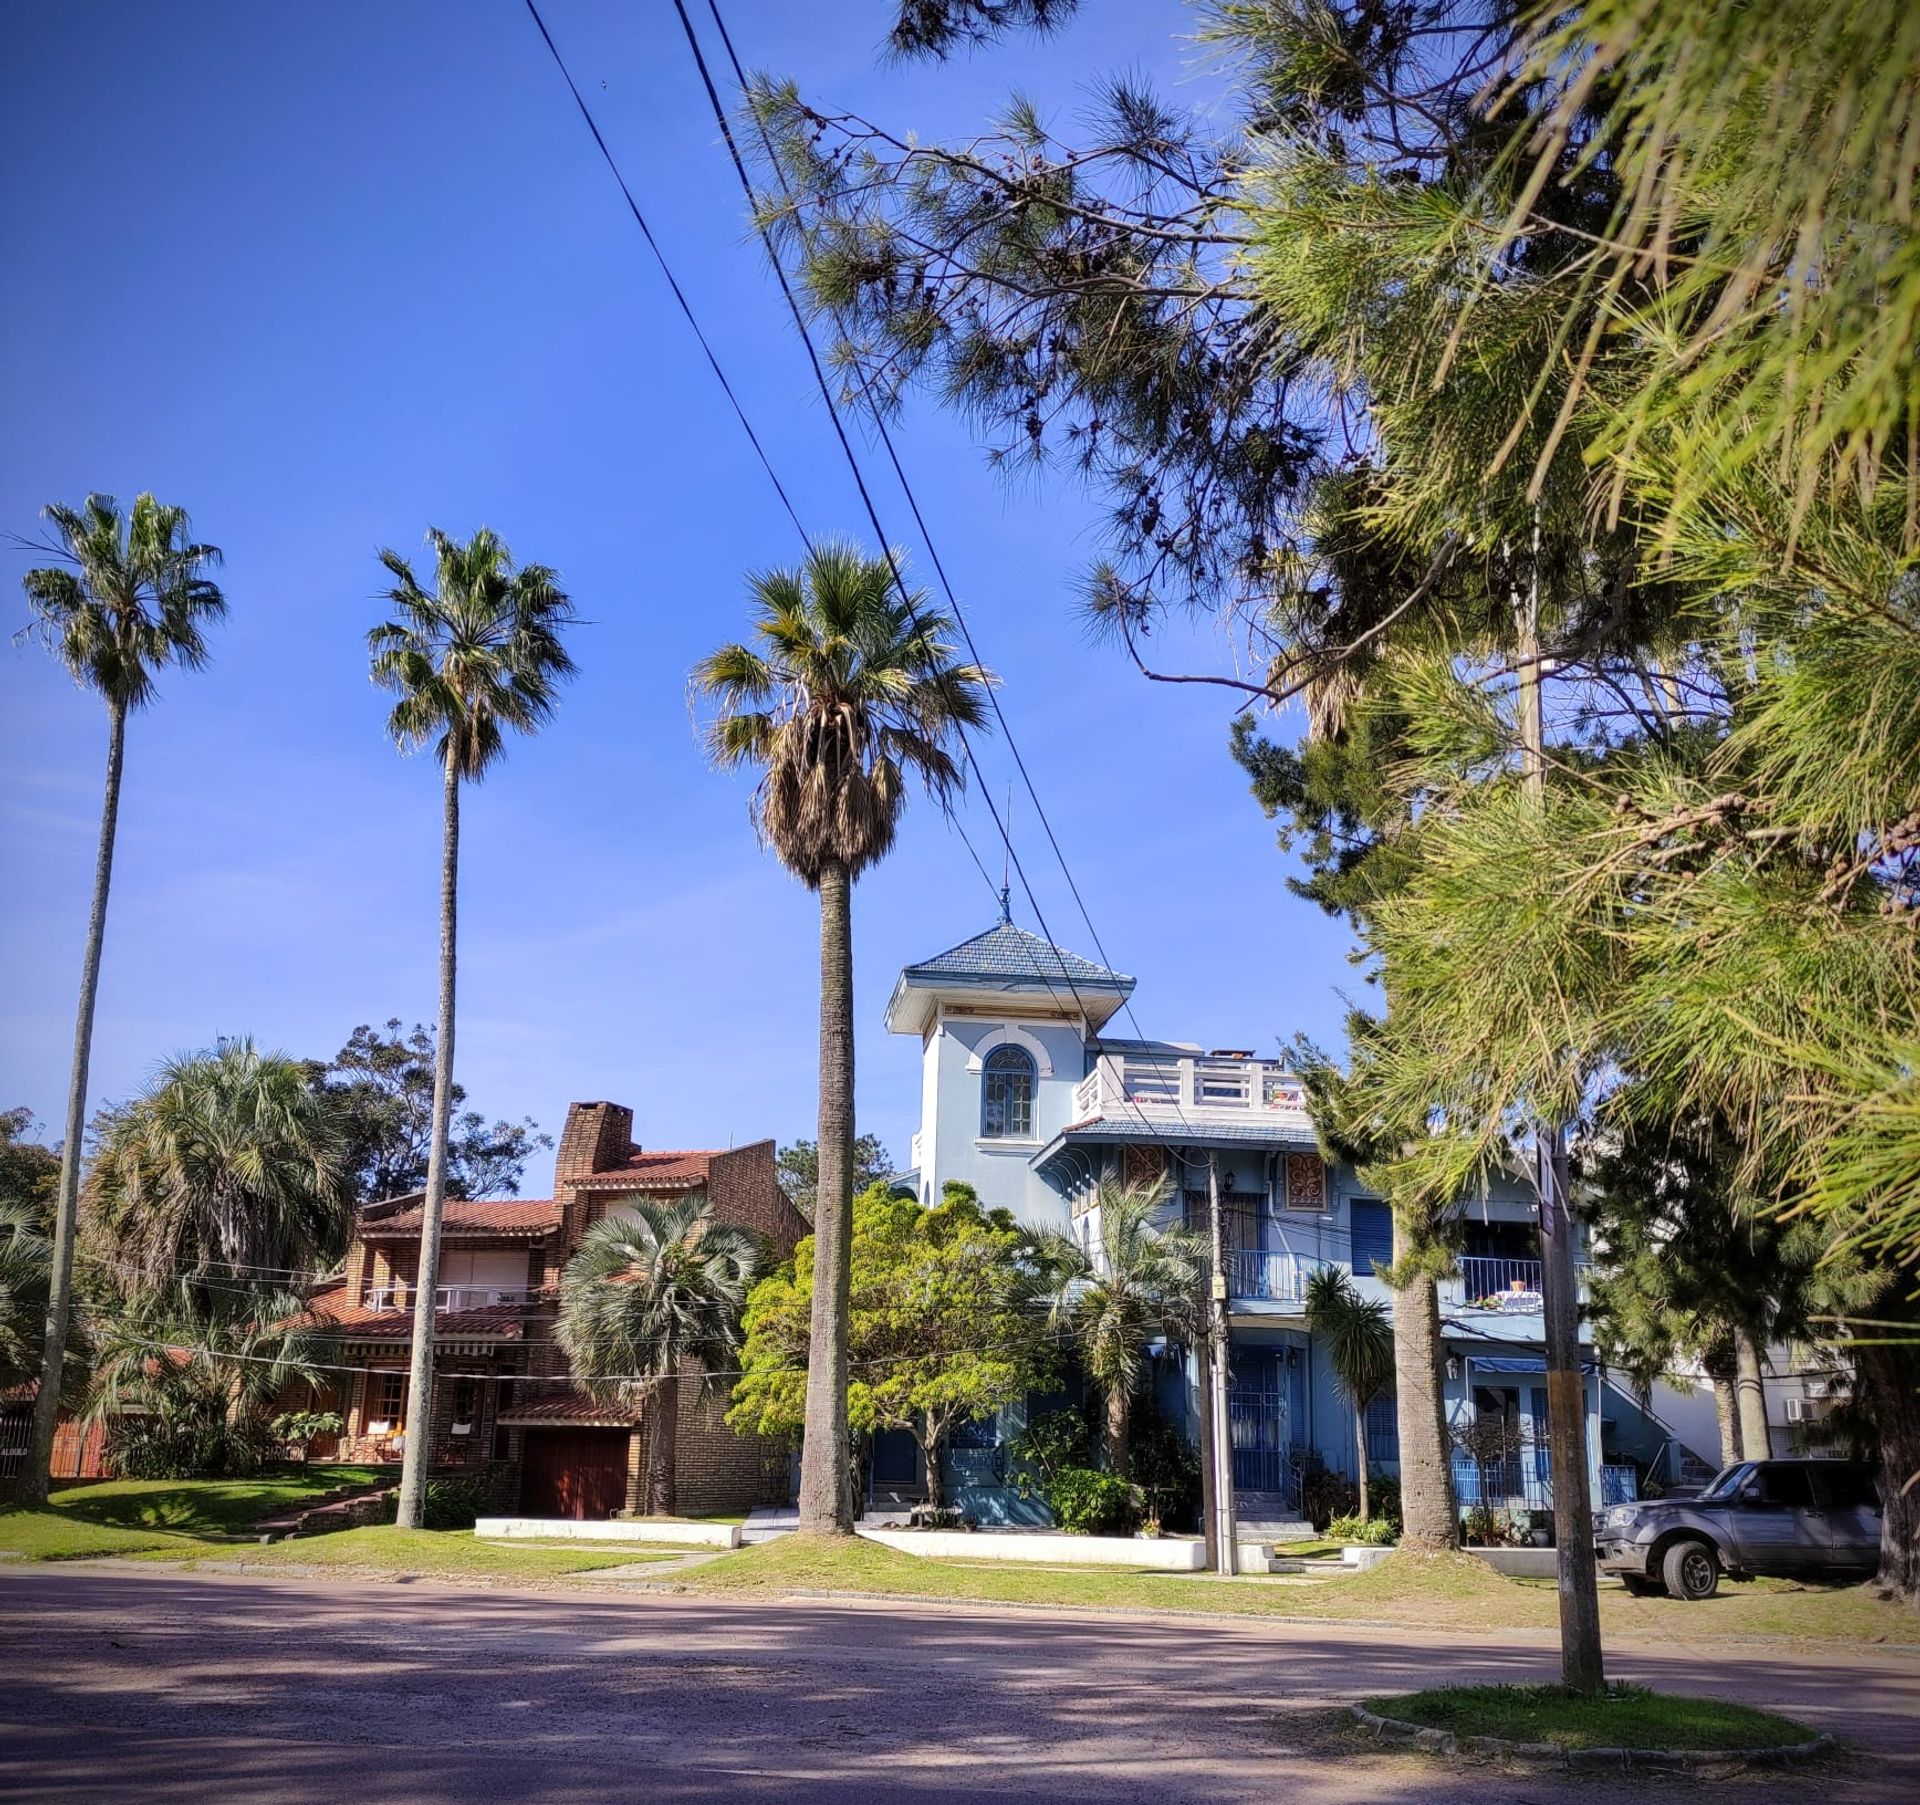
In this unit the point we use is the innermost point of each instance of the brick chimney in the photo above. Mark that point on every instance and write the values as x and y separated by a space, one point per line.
597 1136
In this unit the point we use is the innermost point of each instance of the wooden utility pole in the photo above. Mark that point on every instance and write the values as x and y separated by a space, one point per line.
1581 1667
1203 1370
1226 1530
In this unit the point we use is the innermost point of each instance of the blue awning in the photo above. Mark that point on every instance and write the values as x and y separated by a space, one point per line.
1517 1363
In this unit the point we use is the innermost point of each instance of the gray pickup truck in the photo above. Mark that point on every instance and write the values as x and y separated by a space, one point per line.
1790 1519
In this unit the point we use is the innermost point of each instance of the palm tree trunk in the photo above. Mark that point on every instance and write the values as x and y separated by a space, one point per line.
1756 1441
1726 1403
36 1475
1430 1520
826 1493
1119 1426
663 1426
419 1431
1360 1447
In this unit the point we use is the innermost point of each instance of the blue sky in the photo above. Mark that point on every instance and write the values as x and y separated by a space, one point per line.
326 275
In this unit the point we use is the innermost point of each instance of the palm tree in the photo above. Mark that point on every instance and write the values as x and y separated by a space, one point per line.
650 1296
851 689
1357 1337
26 1260
480 655
1136 1285
228 1171
129 596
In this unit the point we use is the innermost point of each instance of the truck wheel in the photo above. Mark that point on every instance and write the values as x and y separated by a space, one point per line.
1639 1586
1691 1570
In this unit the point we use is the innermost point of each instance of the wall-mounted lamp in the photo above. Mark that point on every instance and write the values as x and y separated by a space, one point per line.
1453 1367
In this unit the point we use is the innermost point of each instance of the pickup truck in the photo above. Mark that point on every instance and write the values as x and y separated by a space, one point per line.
1789 1519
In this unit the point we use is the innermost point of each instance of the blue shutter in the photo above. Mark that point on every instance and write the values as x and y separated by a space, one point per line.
1371 1223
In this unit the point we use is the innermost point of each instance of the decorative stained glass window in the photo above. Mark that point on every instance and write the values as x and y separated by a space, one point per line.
1306 1182
1006 1095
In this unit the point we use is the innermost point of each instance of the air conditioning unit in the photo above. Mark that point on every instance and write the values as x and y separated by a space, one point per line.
1797 1410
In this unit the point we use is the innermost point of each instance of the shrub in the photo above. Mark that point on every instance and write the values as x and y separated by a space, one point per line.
1324 1496
192 1444
1376 1532
1086 1502
1166 1468
1049 1444
300 1429
452 1503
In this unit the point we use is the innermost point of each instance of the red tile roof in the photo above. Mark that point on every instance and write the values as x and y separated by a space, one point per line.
570 1407
532 1216
681 1170
496 1322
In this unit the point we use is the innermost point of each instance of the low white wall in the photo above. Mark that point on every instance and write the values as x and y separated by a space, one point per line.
617 1529
1162 1554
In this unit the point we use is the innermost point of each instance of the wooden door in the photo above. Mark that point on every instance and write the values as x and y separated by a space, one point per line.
580 1473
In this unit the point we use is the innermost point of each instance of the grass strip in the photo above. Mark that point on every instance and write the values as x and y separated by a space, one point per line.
1622 1717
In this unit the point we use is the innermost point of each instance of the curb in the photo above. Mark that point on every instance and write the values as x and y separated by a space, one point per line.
1445 1742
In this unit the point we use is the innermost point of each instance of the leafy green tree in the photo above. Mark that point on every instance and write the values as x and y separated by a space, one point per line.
1135 1284
26 1263
799 1169
128 596
851 690
1358 1341
383 1086
937 1336
478 654
653 1295
225 1173
29 1172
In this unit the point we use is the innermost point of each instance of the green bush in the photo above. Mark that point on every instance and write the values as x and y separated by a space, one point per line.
189 1439
1324 1496
1167 1470
1088 1502
1376 1532
451 1503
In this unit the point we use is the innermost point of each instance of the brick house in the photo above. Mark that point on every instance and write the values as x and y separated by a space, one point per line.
504 1406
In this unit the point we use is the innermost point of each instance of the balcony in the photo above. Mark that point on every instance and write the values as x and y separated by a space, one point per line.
1272 1278
1502 1286
1194 1087
447 1297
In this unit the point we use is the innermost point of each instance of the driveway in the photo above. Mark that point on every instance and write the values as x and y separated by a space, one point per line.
125 1685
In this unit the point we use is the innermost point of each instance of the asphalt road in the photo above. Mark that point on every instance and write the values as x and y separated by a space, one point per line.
125 1686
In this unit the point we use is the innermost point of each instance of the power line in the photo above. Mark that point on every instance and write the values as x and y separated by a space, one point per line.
953 600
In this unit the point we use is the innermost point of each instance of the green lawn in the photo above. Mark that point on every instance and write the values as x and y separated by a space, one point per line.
1624 1717
440 1554
126 1516
1438 1592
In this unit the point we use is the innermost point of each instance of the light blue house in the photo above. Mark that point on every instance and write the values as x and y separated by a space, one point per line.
1027 1096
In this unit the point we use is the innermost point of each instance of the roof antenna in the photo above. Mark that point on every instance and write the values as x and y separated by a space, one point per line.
1006 856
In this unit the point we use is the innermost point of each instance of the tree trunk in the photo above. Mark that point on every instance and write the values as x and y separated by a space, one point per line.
663 1427
1582 1666
36 1475
1889 1387
1429 1517
931 1443
1756 1440
1360 1447
1119 1425
826 1495
1719 1369
419 1422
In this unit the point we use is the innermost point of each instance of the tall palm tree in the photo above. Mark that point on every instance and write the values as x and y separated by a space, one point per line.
128 596
1137 1284
648 1298
851 689
1357 1338
477 655
229 1170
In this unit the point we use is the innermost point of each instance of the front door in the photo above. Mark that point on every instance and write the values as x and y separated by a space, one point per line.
578 1473
1258 1413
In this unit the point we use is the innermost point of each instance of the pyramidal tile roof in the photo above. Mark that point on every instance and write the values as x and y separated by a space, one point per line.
1007 954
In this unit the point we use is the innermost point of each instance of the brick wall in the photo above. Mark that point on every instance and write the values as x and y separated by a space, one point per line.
745 1189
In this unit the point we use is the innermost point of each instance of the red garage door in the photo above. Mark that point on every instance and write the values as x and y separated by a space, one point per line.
574 1472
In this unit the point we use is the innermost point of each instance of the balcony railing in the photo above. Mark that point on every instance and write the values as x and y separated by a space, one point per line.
447 1297
1522 1482
1512 1287
1192 1085
1277 1278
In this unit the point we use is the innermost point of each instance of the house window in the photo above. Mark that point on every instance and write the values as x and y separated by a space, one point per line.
466 1399
1006 1097
387 1398
1383 1428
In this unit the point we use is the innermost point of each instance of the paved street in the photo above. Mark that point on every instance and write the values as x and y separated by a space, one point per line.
125 1686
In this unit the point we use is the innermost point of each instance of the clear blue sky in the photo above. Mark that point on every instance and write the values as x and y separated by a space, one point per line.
324 275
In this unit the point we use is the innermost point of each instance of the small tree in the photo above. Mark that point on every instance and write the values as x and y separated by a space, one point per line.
1358 1341
798 1169
655 1293
1137 1284
936 1335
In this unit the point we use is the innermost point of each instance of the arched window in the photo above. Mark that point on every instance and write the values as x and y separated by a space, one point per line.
1006 1095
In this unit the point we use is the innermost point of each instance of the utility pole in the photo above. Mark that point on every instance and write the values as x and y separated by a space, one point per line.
1226 1530
1203 1371
1581 1666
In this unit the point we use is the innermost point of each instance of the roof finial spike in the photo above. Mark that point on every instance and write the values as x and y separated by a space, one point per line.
1006 861
1006 907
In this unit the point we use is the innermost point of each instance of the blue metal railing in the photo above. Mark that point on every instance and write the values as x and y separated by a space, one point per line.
1510 1284
1619 1485
1281 1278
1522 1482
